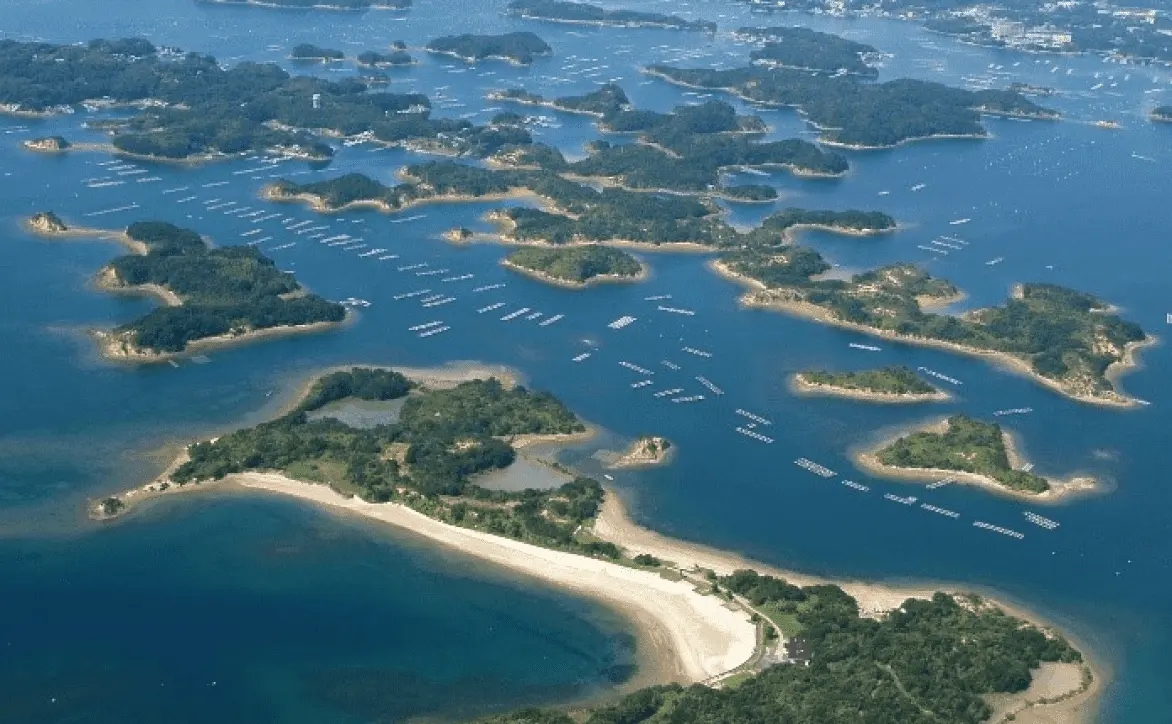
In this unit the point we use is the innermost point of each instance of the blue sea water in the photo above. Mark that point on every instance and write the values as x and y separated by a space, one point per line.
300 616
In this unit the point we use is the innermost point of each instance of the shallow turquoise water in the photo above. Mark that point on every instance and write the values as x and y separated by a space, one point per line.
208 590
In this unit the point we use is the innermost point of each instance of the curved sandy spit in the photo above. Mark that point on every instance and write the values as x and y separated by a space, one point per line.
707 637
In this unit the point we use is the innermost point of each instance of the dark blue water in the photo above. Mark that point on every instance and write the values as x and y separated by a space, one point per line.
186 593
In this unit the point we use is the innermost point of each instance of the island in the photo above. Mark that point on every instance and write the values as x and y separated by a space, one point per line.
890 384
576 266
1161 114
190 108
373 59
571 212
855 114
321 4
520 48
970 451
799 48
646 450
771 639
211 296
1067 340
48 144
559 11
608 99
309 52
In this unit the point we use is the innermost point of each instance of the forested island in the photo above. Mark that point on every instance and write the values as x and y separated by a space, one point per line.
572 212
889 384
685 150
1161 114
559 11
801 48
981 451
854 113
576 266
211 295
308 51
1070 341
928 662
520 48
374 59
192 108
646 450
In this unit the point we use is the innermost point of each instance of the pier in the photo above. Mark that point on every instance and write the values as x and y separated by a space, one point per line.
937 375
669 393
635 368
866 347
621 322
909 500
641 383
550 320
855 486
1040 521
755 418
940 511
490 307
580 357
755 435
697 352
676 310
707 383
513 315
693 398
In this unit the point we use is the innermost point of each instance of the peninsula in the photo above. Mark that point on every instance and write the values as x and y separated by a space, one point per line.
889 384
856 114
578 13
576 266
970 451
1067 340
211 296
723 618
517 48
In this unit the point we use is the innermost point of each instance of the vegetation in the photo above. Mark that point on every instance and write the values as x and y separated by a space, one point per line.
886 381
111 506
1162 113
520 48
371 59
805 49
853 112
576 264
927 662
428 460
306 51
191 106
559 11
1068 337
851 220
967 445
226 290
48 222
685 150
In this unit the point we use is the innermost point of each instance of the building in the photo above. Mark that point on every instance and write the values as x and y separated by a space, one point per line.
797 651
1007 30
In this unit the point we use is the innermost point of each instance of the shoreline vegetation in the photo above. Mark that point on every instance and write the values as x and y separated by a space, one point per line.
520 48
711 617
579 13
1068 341
569 212
1161 114
576 267
893 385
971 452
856 115
211 297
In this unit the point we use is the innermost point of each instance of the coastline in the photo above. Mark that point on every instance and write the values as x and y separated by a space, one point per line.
801 386
867 459
117 347
691 636
595 280
637 454
761 297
